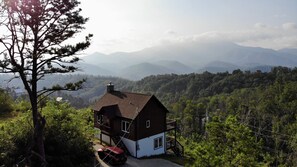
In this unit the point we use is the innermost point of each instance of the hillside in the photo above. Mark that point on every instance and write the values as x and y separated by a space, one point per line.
168 87
93 88
227 111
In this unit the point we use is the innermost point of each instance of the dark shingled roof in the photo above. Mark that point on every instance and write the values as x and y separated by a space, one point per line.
124 104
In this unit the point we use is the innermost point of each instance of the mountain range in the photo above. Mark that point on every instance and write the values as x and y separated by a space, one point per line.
186 57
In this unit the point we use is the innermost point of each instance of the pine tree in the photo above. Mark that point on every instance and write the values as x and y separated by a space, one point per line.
33 43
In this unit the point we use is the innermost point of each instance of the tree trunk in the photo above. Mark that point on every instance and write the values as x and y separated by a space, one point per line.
40 146
38 151
38 121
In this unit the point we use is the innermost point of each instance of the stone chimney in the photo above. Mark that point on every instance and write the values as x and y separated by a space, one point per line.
110 88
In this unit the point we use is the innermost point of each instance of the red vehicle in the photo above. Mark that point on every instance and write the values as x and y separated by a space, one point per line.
112 155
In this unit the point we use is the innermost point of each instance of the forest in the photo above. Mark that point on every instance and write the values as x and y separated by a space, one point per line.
238 119
225 119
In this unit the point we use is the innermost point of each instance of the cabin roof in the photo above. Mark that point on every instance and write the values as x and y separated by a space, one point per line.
122 104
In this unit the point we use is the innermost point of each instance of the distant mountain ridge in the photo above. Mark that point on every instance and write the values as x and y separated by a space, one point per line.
187 57
143 69
218 66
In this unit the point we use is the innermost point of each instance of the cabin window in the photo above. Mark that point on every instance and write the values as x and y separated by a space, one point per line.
148 123
158 142
125 126
99 118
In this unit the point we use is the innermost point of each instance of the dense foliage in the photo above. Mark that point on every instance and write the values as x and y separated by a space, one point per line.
171 87
238 119
5 102
266 114
68 134
227 143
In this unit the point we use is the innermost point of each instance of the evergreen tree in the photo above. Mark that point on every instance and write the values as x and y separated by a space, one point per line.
33 40
228 143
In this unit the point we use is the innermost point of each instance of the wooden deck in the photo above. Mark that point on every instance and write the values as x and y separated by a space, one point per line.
170 125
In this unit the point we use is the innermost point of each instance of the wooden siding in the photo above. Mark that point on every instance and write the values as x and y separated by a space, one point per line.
96 124
156 113
152 110
118 129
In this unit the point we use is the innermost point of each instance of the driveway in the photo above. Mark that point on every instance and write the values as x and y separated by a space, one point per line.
134 162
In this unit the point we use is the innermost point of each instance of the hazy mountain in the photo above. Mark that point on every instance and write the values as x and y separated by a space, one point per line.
95 58
261 68
187 57
91 69
112 62
292 51
289 53
175 66
219 66
192 54
138 71
243 56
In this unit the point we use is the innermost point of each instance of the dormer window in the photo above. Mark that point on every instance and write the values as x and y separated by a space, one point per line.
147 123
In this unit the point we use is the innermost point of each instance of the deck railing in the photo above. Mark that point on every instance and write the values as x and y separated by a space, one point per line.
170 124
170 143
106 129
173 144
180 147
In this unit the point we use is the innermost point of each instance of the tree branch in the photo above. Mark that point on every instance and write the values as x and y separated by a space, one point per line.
67 87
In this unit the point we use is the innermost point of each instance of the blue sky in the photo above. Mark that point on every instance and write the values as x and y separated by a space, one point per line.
131 25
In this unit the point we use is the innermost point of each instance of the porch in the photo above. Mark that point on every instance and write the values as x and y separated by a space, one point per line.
111 138
171 141
107 130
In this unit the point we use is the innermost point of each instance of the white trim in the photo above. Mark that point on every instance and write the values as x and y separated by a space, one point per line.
125 126
100 118
158 142
147 123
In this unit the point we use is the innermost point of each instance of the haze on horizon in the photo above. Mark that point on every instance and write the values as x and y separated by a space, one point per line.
131 25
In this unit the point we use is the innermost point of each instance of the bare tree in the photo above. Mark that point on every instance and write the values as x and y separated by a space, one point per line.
34 43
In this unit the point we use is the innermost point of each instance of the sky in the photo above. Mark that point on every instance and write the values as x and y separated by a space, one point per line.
132 25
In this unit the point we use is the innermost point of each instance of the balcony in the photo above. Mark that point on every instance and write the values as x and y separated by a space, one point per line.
105 129
170 125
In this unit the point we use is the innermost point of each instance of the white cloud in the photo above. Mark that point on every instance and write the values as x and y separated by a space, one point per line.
132 24
261 35
289 26
170 32
260 25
